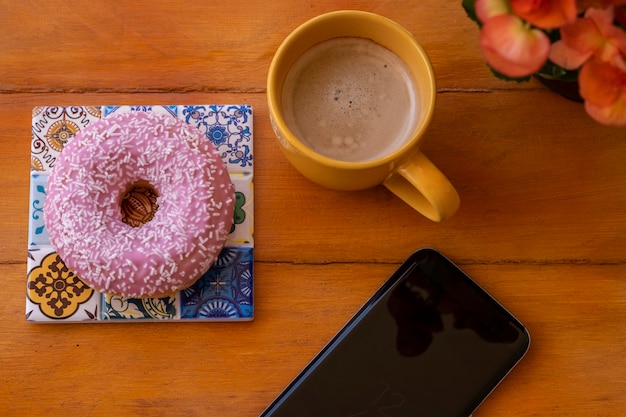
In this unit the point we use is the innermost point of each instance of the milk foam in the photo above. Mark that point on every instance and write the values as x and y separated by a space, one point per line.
350 99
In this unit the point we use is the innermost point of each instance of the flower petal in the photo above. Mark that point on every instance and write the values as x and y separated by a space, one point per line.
601 83
566 57
582 35
612 45
545 14
513 48
593 34
602 17
486 9
612 115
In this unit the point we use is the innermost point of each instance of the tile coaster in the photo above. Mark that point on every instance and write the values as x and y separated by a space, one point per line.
54 294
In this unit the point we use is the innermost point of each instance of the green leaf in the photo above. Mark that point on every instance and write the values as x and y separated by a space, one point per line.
551 70
470 9
507 78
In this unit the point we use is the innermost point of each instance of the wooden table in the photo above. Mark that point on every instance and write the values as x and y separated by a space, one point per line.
542 223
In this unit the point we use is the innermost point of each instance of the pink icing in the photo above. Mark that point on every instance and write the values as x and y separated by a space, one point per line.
171 251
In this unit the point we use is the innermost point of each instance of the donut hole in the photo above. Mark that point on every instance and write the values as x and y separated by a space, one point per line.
138 204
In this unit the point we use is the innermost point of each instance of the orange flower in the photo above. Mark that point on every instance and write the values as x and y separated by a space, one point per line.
595 34
513 48
603 86
545 14
515 41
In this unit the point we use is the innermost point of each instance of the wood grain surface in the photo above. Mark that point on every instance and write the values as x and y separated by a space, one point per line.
542 223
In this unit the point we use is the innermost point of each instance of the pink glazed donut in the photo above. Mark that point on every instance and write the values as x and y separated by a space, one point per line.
139 204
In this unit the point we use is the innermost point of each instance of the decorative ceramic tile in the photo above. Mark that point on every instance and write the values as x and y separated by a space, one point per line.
120 308
55 294
229 127
167 110
224 291
242 230
52 128
230 130
37 232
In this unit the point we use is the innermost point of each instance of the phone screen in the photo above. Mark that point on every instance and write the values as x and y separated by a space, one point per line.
429 343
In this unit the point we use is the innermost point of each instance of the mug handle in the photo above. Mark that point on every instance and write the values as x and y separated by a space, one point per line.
422 186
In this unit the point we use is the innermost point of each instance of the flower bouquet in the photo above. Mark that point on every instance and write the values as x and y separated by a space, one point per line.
569 40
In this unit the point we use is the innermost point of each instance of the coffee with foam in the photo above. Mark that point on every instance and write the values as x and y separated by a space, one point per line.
350 99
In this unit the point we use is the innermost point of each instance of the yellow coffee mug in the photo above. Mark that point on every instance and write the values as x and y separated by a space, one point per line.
406 171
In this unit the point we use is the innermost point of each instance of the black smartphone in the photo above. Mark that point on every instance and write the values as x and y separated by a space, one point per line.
429 343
